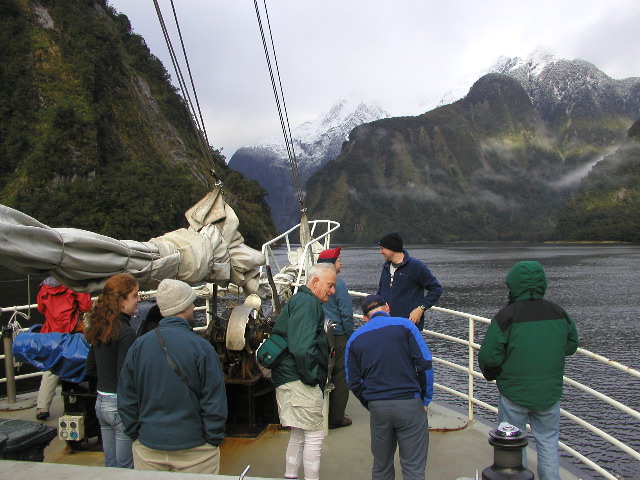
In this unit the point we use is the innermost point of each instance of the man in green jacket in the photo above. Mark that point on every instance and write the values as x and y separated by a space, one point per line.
524 350
301 375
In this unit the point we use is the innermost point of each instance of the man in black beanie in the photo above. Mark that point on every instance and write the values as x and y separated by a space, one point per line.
404 280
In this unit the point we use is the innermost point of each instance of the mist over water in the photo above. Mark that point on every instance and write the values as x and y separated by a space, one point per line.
596 284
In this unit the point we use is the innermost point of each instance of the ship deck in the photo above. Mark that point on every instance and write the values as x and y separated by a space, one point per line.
457 450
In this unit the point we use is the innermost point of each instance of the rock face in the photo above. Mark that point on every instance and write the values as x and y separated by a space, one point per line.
315 143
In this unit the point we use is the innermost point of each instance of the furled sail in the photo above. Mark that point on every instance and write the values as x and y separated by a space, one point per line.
211 249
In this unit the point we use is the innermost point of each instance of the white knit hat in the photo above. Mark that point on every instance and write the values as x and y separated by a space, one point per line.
174 296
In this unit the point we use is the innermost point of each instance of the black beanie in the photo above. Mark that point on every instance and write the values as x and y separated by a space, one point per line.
392 241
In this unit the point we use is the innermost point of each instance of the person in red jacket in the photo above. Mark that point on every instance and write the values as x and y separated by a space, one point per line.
62 309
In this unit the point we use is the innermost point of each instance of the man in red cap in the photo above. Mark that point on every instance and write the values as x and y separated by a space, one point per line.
339 310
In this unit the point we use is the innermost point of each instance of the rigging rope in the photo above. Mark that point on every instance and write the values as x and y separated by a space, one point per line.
196 117
280 102
196 113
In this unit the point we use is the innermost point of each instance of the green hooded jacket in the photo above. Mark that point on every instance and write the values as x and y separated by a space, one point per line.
526 344
302 323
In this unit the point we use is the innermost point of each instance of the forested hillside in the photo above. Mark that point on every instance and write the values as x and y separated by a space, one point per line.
607 206
493 166
92 133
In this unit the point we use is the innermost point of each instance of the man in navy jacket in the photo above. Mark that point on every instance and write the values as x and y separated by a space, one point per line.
403 281
389 370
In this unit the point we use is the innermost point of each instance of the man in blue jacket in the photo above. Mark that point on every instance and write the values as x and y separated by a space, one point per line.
403 281
175 416
339 310
389 370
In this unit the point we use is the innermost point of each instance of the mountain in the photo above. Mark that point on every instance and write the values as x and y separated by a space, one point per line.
582 112
315 143
575 98
92 133
495 165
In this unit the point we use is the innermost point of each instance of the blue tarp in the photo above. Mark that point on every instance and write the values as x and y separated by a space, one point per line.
65 354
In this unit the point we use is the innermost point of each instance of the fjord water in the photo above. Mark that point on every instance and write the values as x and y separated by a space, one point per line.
598 285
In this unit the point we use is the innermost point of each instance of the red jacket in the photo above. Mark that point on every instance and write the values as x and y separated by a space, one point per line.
61 308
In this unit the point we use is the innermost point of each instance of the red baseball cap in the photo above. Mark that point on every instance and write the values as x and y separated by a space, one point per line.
330 255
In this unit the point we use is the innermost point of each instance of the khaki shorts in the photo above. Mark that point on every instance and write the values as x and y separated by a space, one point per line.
300 405
202 459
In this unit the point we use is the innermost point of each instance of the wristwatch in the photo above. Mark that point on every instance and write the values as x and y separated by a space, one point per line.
423 307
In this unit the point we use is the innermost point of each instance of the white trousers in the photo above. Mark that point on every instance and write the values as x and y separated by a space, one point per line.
305 447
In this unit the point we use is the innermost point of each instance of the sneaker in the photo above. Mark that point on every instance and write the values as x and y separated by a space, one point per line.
42 415
346 421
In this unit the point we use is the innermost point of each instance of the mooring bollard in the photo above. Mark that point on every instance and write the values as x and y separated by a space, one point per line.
7 339
507 442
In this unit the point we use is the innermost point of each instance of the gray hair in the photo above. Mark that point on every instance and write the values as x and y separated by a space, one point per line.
319 270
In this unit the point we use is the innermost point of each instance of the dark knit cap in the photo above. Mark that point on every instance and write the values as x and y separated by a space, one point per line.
371 302
330 255
392 241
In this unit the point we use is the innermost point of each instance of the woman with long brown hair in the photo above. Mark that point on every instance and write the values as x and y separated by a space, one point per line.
110 335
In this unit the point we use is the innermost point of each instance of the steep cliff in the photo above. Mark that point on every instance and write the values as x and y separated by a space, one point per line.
92 133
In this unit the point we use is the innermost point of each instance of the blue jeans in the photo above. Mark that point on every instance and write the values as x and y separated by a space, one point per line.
115 443
545 426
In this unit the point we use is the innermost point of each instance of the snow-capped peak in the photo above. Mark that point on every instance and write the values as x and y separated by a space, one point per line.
534 63
341 118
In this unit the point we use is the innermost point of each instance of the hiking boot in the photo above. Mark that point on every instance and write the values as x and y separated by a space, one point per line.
346 421
42 415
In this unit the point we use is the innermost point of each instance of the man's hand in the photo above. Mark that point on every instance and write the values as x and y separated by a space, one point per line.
416 315
426 409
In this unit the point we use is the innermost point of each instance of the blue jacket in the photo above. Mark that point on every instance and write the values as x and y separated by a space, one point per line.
156 406
387 359
411 279
339 309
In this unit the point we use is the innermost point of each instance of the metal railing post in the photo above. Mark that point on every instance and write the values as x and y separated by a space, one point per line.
470 373
7 338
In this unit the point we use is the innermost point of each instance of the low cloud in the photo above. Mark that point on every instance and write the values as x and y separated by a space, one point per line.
574 177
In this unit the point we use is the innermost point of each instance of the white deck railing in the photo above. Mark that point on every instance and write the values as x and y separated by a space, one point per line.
471 400
472 375
301 258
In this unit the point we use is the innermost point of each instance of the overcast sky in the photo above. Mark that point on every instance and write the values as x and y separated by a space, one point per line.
397 53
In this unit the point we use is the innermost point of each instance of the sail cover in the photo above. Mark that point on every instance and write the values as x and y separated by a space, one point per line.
210 250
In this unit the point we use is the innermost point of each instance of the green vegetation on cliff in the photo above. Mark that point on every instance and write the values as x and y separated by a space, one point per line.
447 175
92 133
607 206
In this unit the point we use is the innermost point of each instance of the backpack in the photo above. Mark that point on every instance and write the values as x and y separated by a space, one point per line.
270 352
